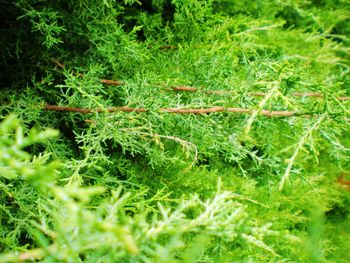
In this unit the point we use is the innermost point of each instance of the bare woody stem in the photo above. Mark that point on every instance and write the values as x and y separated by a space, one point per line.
254 94
103 81
343 182
176 110
112 82
58 64
168 47
86 111
194 89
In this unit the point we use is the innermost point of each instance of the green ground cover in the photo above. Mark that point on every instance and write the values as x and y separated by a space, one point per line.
175 131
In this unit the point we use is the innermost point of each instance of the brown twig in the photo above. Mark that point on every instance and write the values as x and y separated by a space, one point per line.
176 110
193 111
254 94
343 182
167 47
308 94
112 82
58 64
194 89
343 98
30 255
86 111
103 81
184 88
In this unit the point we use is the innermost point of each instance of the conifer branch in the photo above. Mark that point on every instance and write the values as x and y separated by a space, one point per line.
30 255
200 92
187 145
262 103
112 82
168 47
219 92
86 111
253 94
343 182
218 109
58 64
103 81
184 88
300 145
194 89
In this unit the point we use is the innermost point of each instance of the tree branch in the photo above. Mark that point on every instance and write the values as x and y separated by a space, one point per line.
30 255
103 81
194 89
177 110
112 82
254 94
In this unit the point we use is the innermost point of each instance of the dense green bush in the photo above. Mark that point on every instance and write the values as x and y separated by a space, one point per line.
225 137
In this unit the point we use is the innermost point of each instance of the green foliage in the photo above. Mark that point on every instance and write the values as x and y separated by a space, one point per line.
123 186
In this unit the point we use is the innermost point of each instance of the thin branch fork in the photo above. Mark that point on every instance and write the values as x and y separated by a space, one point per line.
209 110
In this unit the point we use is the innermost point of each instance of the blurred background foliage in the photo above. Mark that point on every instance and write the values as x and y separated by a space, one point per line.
160 187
